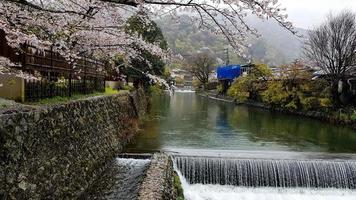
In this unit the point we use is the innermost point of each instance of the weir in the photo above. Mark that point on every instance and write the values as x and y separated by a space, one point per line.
121 179
268 173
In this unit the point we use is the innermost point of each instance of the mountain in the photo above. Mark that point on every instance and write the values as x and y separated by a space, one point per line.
281 45
276 46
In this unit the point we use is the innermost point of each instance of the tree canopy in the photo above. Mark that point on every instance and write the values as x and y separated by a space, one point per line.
151 33
97 27
201 65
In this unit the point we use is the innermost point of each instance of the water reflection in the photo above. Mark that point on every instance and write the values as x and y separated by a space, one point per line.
186 120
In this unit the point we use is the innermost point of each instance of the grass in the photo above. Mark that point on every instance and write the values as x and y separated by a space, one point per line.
346 115
4 103
58 99
155 90
128 87
178 186
110 91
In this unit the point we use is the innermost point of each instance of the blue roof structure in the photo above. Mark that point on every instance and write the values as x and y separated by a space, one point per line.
229 72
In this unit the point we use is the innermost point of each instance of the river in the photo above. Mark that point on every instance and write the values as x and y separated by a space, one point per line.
223 151
188 121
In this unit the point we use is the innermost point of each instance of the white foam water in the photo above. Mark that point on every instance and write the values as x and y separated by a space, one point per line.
268 173
131 162
230 192
220 192
184 91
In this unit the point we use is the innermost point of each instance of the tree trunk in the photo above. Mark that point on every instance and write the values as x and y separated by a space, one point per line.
335 95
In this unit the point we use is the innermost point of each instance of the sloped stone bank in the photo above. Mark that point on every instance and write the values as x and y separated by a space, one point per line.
56 152
159 181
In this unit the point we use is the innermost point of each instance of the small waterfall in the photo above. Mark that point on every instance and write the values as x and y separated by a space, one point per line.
268 173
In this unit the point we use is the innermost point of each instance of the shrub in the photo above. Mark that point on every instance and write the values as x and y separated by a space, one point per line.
292 105
220 88
155 90
353 116
310 103
196 84
260 72
61 83
292 88
128 87
179 81
276 95
321 88
325 102
239 89
212 85
344 117
250 86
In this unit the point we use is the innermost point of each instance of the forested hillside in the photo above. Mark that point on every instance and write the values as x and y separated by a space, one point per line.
276 46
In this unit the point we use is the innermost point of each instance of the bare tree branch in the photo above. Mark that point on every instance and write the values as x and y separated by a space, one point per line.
332 48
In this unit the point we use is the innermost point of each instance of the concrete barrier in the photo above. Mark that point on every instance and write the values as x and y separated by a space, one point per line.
12 87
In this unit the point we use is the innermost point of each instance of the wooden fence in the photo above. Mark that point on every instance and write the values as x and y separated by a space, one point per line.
57 77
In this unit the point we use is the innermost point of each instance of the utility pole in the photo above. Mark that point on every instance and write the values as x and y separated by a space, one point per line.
227 61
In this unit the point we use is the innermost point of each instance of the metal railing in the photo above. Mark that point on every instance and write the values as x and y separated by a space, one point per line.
57 76
41 89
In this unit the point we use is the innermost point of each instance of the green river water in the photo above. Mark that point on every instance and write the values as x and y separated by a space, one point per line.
226 152
187 121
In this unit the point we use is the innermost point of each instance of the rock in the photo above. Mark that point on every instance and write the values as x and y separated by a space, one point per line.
23 185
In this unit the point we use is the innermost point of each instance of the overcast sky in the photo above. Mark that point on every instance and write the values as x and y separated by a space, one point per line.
309 13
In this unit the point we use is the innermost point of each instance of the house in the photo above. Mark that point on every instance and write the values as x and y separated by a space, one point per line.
352 81
227 74
52 74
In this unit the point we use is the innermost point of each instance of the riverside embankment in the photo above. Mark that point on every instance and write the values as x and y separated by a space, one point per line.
57 151
336 119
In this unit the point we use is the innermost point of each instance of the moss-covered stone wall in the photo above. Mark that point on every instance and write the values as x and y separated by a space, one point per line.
57 151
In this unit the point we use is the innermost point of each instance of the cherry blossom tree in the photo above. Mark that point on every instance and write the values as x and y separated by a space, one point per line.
96 27
73 31
202 65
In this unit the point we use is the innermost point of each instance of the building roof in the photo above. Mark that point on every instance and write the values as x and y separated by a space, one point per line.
229 72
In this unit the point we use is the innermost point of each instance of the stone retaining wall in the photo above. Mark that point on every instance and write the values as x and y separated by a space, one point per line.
55 152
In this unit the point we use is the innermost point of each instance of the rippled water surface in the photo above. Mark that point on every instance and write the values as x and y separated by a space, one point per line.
188 121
